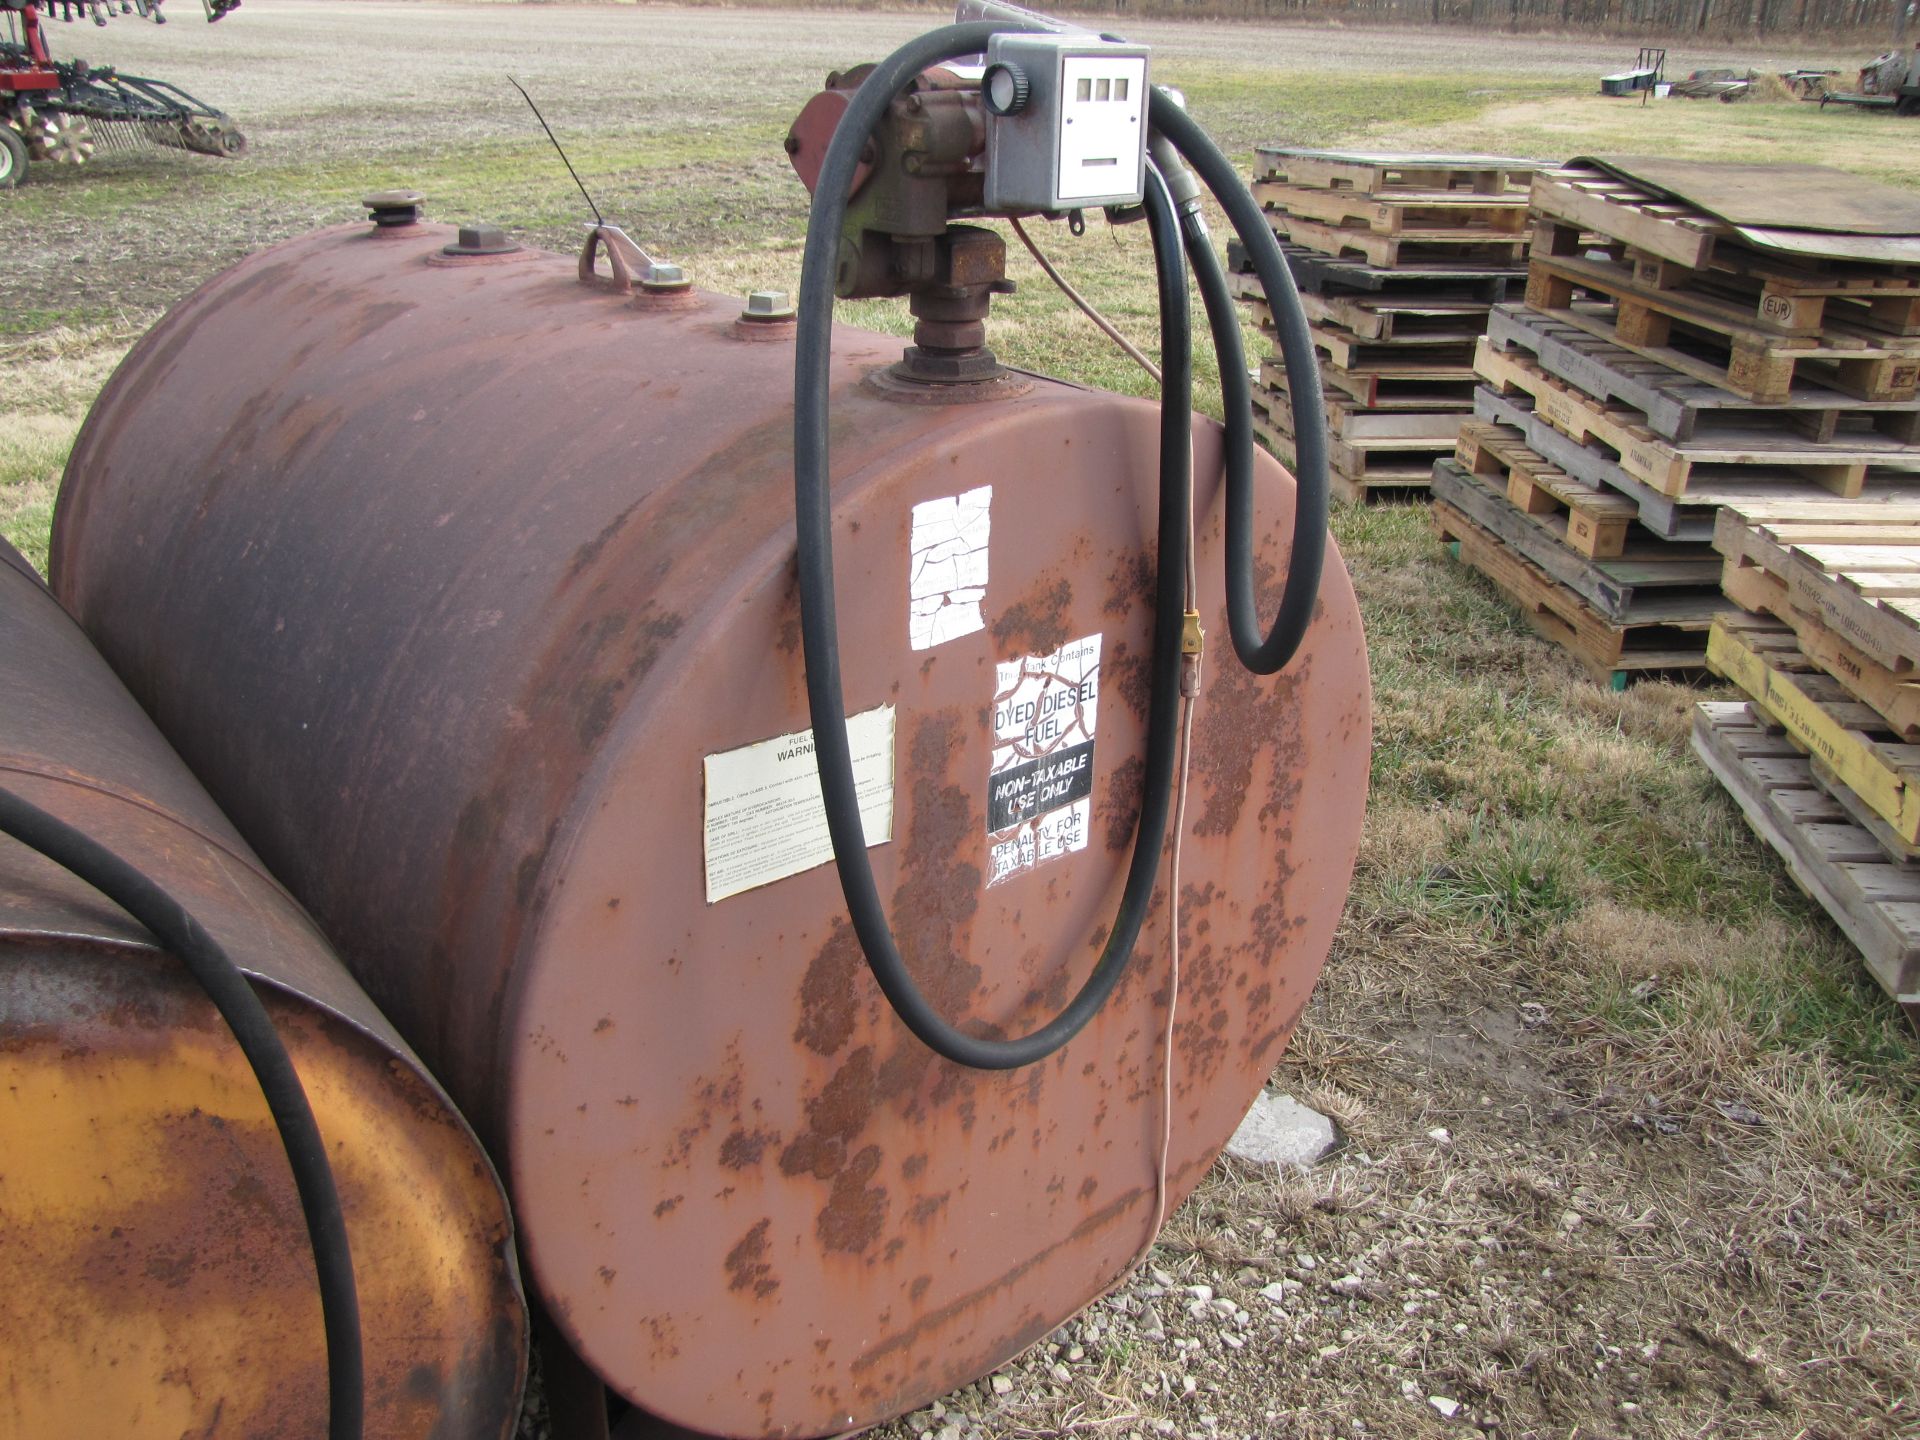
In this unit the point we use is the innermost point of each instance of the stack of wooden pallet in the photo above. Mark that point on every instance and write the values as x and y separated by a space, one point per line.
1398 258
1666 364
1823 761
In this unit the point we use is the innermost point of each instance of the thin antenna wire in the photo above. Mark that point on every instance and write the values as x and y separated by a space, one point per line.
597 218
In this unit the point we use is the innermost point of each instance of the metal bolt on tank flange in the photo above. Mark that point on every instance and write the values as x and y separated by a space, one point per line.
769 315
390 209
665 279
481 239
768 306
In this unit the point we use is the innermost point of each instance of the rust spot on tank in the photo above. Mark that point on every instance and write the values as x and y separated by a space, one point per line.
743 1148
927 1207
1036 624
789 638
747 1266
1130 676
855 1211
921 1284
907 1339
939 893
913 1167
828 997
667 1207
1087 1187
526 875
1130 582
1120 805
584 557
834 1116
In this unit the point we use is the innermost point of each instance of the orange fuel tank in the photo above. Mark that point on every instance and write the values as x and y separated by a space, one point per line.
156 1279
468 589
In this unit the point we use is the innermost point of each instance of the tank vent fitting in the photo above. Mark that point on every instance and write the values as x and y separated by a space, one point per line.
390 208
481 240
664 279
766 307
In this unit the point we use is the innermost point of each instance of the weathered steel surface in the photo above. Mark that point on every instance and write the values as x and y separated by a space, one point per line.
155 1272
482 564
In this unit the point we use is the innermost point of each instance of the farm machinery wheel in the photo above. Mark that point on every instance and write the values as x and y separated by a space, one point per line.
60 139
13 158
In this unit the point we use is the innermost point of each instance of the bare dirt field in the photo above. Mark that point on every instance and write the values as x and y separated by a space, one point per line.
1630 1142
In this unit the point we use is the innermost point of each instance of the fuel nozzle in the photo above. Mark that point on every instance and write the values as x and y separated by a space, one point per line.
1181 183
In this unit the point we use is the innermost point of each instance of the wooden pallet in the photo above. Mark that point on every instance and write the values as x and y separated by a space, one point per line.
1397 213
1876 903
1747 361
1349 420
1411 247
1317 274
1402 383
1370 320
1773 623
1850 739
1351 352
1609 652
1661 515
1650 582
1686 517
1673 467
1591 520
1598 202
1356 469
1400 320
1380 317
1749 287
1381 172
1854 568
1679 407
1669 245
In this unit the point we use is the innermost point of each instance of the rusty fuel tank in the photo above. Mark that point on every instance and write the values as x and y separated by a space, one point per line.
468 587
156 1278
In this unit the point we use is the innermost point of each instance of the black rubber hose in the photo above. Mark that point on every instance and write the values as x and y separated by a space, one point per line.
1236 389
1265 654
181 935
813 521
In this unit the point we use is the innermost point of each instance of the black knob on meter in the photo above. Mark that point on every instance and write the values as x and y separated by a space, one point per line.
1005 88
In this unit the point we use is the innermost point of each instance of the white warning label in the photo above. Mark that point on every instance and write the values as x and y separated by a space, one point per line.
1040 789
764 816
947 567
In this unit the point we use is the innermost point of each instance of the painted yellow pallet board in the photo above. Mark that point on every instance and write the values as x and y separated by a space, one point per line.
1891 789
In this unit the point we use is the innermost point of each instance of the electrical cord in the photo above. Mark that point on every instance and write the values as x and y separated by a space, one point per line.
1086 306
181 935
1263 654
813 517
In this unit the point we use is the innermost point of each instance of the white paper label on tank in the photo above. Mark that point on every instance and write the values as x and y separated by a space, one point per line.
1040 789
947 567
764 816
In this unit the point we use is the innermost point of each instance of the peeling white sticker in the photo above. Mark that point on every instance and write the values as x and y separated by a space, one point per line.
765 819
1040 789
947 568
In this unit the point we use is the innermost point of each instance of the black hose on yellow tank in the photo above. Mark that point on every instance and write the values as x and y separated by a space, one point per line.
181 935
819 629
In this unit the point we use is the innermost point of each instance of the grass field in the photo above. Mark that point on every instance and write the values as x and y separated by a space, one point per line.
1632 1142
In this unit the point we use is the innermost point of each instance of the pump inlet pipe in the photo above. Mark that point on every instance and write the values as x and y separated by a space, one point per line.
1172 208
